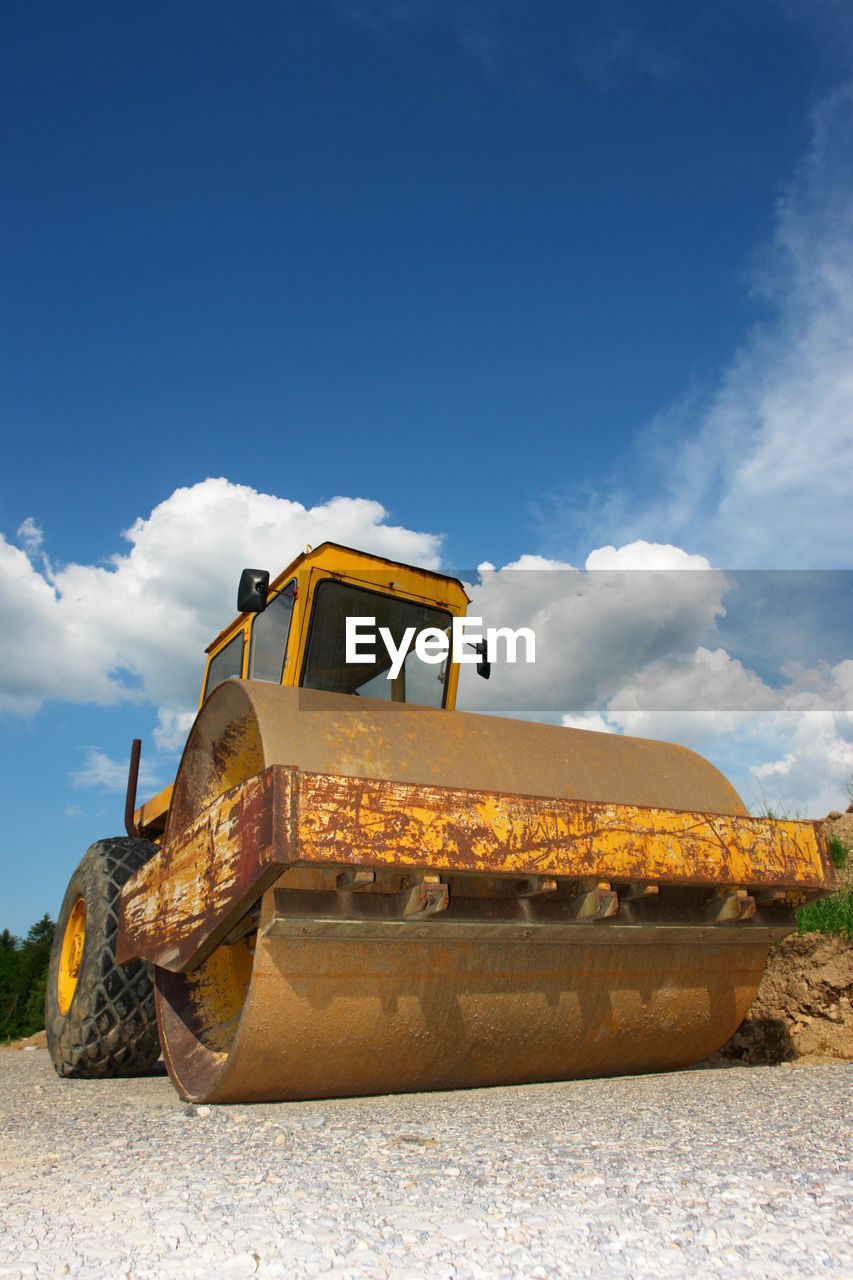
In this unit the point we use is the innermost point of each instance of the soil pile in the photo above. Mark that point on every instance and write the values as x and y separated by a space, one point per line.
841 825
37 1041
803 1010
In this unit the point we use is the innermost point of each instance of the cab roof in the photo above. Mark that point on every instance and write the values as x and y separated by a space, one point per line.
326 555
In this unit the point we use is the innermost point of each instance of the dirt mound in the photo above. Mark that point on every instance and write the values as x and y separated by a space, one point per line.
803 1010
37 1041
842 827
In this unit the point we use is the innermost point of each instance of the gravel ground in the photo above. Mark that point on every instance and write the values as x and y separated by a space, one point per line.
739 1172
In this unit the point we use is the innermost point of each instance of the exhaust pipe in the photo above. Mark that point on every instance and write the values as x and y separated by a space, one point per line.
132 780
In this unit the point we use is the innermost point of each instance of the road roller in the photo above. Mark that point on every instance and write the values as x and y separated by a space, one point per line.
352 888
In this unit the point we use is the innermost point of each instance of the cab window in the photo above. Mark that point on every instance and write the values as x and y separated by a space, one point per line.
325 665
268 644
228 662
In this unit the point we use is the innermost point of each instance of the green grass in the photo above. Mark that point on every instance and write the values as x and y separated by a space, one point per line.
832 915
838 852
828 915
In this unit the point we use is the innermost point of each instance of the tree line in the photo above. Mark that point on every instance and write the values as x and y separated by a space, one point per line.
23 979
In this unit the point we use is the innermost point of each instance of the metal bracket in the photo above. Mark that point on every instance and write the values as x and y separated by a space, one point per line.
595 901
319 915
244 926
352 880
535 886
732 906
426 898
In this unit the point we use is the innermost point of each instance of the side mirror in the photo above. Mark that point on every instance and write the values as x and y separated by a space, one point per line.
484 667
252 592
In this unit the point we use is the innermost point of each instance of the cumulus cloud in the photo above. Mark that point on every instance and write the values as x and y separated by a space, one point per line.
655 556
632 642
136 626
635 643
755 471
780 430
788 749
802 756
591 720
690 697
596 628
809 762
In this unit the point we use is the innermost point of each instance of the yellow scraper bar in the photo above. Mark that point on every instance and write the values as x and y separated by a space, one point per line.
184 900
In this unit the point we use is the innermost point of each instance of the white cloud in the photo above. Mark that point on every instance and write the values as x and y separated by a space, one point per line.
637 650
757 471
591 720
644 555
810 764
101 771
173 725
38 656
789 748
596 629
690 697
31 535
137 625
630 643
782 422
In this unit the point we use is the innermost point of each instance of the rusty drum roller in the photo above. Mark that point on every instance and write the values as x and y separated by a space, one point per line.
358 896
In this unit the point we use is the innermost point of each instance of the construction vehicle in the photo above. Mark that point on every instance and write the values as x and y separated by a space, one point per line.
352 888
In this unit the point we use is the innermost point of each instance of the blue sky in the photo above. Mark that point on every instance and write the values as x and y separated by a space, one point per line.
462 282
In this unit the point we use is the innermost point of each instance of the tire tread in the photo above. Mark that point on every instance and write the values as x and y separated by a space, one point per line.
110 1028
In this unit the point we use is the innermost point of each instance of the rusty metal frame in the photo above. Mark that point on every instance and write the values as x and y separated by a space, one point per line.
182 903
347 917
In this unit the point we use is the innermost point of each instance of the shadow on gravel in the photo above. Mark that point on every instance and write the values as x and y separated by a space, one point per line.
758 1042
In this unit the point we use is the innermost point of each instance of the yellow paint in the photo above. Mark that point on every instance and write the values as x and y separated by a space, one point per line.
152 809
178 898
310 569
71 956
394 824
359 569
217 990
189 880
375 573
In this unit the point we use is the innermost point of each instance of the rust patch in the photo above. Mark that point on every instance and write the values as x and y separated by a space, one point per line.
183 901
379 823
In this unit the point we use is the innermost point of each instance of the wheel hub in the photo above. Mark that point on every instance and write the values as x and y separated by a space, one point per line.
71 955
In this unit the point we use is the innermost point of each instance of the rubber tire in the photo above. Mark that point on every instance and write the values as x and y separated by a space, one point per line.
110 1028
